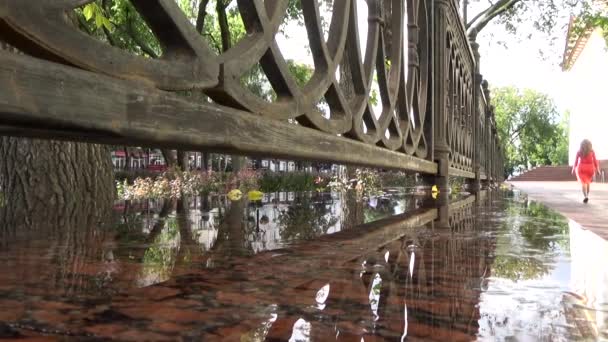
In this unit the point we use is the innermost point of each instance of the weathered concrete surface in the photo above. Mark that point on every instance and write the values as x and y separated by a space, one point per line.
567 198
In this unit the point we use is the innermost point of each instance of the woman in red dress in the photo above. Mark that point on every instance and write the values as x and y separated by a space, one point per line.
586 165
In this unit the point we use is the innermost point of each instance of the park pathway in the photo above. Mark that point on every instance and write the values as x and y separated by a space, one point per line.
567 199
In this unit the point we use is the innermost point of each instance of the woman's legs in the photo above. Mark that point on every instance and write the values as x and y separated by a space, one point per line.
584 186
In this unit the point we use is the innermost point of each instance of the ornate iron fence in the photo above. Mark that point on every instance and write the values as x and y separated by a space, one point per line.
432 116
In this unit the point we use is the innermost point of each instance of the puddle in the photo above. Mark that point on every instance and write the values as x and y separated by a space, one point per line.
309 267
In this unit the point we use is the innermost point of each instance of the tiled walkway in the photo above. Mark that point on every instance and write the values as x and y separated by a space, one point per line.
567 198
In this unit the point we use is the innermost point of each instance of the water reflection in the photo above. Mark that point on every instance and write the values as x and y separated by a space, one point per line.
314 267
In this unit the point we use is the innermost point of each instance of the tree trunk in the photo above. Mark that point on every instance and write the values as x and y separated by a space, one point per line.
183 159
58 185
222 19
169 157
202 15
204 161
55 184
127 158
238 163
353 207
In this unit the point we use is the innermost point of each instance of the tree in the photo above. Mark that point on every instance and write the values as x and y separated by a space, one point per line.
527 123
559 155
543 14
593 14
53 183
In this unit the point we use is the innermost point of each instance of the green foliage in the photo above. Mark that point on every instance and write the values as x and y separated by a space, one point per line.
534 235
131 175
592 14
95 13
301 72
175 183
535 16
385 207
291 181
160 257
456 184
559 154
527 123
118 23
305 219
397 179
368 182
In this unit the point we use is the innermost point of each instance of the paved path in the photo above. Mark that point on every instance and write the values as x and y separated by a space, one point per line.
567 198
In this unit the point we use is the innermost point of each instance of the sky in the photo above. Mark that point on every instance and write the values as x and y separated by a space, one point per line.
506 59
519 61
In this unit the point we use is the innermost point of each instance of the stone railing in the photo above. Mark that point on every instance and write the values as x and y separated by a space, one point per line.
432 115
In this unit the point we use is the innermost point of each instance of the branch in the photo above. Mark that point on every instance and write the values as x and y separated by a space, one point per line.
482 19
214 41
202 15
106 5
113 41
222 19
516 132
83 24
147 49
468 25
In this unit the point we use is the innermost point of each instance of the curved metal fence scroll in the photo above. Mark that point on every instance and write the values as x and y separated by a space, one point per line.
140 96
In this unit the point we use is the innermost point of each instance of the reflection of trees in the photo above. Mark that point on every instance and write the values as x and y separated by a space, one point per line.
232 231
385 206
73 231
352 205
518 268
172 242
305 219
545 223
532 229
130 226
159 258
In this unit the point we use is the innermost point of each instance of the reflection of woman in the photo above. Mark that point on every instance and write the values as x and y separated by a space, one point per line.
585 165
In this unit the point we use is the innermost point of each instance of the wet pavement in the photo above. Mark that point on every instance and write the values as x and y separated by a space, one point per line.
315 267
567 199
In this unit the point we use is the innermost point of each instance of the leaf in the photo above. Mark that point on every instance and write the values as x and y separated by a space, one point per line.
98 21
88 11
107 24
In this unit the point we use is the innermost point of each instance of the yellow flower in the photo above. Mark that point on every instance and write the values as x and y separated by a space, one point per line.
434 188
255 195
235 195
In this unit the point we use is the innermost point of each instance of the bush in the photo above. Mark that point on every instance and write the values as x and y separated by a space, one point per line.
291 181
131 175
397 179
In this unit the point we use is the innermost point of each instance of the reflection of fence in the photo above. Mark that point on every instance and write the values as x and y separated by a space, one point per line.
76 87
439 275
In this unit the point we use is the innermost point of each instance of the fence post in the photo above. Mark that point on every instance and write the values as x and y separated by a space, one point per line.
474 184
441 149
487 127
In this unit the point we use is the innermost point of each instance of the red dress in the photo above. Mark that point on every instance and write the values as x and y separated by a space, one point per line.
586 167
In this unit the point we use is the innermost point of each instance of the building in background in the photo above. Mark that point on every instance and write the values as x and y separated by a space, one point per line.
585 61
137 158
